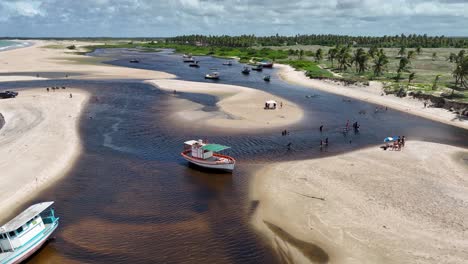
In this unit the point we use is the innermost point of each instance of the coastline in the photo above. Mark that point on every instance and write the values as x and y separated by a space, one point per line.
368 206
372 94
39 142
241 108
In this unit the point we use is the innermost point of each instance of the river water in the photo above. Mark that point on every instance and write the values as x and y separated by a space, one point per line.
131 198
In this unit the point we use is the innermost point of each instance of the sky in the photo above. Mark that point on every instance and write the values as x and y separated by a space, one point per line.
159 18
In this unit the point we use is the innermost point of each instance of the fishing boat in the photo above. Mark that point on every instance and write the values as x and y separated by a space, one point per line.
194 64
246 70
266 64
213 76
227 63
27 232
205 155
134 61
257 67
266 78
189 60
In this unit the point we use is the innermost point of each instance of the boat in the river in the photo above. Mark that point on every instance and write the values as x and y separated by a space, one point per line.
189 60
266 64
194 64
266 78
206 155
187 56
134 61
213 76
257 67
23 235
227 63
246 70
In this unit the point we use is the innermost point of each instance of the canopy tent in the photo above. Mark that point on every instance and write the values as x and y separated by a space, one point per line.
214 147
391 139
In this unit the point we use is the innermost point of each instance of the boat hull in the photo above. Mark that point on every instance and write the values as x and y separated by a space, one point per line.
211 164
21 254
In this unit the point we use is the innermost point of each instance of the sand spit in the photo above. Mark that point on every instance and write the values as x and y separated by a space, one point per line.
372 94
39 141
368 206
40 59
241 108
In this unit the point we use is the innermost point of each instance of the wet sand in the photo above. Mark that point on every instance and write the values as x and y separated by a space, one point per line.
369 206
372 94
39 141
241 108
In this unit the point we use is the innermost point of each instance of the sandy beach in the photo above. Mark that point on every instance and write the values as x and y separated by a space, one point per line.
39 141
241 108
368 206
372 94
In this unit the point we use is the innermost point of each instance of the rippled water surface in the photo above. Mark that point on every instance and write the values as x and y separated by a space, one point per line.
132 199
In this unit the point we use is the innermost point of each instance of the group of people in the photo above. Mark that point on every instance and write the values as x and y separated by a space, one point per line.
397 144
53 88
285 132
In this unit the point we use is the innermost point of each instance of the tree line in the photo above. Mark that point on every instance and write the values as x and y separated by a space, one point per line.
410 41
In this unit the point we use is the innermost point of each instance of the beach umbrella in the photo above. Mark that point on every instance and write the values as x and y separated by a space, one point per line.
390 139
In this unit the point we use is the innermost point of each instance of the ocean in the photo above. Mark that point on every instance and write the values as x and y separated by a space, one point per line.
8 44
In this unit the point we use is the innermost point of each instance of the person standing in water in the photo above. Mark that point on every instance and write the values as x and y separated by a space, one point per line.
321 128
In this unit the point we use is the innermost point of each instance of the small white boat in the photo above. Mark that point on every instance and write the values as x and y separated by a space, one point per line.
227 63
189 60
205 155
213 75
26 233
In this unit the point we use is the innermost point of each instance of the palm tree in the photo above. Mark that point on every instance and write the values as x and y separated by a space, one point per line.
452 57
356 57
402 51
319 55
419 50
461 73
411 55
344 58
362 61
411 77
436 81
332 55
403 64
380 62
434 56
301 54
373 51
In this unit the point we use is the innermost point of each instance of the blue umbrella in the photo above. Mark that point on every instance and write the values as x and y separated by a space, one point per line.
391 139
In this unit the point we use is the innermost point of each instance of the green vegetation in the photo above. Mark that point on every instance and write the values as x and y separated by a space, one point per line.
311 68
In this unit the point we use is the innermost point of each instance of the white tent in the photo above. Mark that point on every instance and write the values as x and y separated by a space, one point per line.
270 104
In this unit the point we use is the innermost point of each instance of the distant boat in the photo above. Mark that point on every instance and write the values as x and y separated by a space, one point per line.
228 63
195 64
266 64
134 61
214 69
258 67
246 70
213 76
189 60
187 56
205 155
26 233
266 78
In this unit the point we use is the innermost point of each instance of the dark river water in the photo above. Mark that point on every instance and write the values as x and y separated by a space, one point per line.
130 198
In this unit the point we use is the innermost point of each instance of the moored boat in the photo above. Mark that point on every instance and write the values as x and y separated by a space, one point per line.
189 60
194 64
266 64
246 70
227 63
134 61
23 235
266 78
257 67
205 155
213 76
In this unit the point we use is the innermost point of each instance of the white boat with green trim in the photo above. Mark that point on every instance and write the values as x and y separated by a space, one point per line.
205 155
23 235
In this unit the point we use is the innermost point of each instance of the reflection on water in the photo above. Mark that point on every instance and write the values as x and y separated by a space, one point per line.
132 199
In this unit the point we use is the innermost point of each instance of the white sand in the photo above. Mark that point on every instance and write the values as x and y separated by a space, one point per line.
407 206
39 141
372 94
241 107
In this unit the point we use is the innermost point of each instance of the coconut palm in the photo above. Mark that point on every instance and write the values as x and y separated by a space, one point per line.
332 55
380 62
411 55
362 61
436 81
344 58
411 77
461 73
356 57
403 64
419 50
373 51
319 55
452 57
402 51
434 56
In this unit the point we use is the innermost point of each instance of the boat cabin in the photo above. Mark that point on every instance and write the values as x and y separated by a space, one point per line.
26 227
202 150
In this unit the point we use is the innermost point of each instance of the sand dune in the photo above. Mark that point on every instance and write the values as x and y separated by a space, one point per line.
39 141
370 206
241 108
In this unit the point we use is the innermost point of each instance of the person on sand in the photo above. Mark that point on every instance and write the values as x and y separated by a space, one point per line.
321 128
47 89
403 141
425 104
175 92
326 142
71 96
281 104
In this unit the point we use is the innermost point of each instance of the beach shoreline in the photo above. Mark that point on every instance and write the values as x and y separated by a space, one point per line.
343 204
372 94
